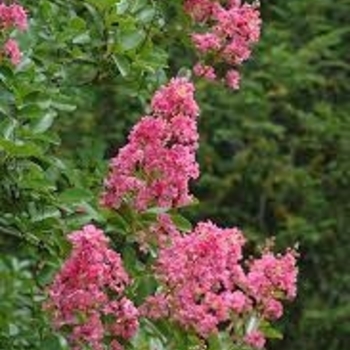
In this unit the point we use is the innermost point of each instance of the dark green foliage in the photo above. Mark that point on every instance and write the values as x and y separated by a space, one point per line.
276 159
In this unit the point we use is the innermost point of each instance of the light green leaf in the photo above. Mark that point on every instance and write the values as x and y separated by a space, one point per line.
44 123
19 148
8 128
122 64
74 196
157 210
66 107
269 331
83 38
181 223
123 6
131 39
146 15
46 214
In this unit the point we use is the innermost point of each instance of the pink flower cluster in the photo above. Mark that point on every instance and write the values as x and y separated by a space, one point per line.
207 285
155 167
86 296
201 270
13 51
158 234
12 17
232 27
271 278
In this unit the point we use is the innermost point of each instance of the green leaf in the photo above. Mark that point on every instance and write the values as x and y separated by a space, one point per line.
138 5
269 331
181 223
101 4
20 148
45 214
77 23
123 6
83 38
131 39
146 15
117 222
122 64
157 210
44 123
45 275
52 343
5 73
13 329
74 196
8 128
4 110
272 333
30 111
150 216
214 342
61 106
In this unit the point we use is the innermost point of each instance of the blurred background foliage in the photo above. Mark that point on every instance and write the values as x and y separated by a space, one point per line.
276 159
275 156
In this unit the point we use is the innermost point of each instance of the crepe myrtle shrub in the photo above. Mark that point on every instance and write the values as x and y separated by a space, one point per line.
205 292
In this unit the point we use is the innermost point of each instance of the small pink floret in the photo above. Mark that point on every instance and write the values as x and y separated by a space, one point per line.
88 288
12 50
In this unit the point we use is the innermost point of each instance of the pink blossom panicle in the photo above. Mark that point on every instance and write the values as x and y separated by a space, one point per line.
227 32
202 272
202 70
154 168
255 339
207 283
233 79
206 42
177 97
271 279
200 10
12 50
88 289
158 234
13 16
